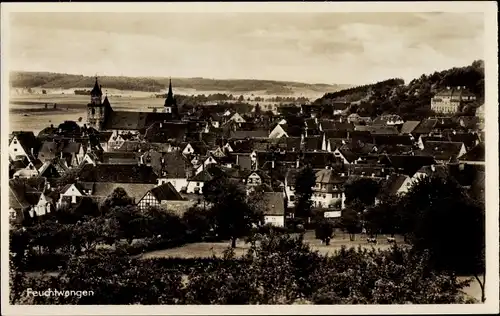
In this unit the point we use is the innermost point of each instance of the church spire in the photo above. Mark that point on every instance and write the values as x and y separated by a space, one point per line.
170 101
96 91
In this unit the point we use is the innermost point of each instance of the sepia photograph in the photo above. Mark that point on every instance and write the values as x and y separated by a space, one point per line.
294 155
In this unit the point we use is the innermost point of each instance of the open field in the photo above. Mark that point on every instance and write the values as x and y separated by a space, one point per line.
27 112
207 249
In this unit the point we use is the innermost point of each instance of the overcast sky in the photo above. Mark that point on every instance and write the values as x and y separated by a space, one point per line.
352 48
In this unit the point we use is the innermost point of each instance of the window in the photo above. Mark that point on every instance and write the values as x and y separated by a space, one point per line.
93 111
15 149
292 197
197 184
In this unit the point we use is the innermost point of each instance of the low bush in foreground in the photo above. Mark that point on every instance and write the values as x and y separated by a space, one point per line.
275 270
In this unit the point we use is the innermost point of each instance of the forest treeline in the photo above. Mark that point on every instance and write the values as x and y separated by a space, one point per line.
47 80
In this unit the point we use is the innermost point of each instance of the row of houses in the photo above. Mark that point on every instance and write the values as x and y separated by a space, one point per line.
167 162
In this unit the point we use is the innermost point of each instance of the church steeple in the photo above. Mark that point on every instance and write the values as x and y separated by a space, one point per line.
96 94
96 91
170 101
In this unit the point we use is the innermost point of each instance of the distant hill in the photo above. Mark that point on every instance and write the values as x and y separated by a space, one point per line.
47 80
410 100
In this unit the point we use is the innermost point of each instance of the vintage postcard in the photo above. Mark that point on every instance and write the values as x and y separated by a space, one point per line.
199 158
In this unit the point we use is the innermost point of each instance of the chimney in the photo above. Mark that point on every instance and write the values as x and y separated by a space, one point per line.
458 88
433 168
387 177
297 164
447 88
272 164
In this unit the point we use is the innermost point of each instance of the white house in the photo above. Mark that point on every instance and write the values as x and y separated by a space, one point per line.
278 132
71 193
159 197
208 161
17 151
196 183
42 207
274 209
327 192
237 118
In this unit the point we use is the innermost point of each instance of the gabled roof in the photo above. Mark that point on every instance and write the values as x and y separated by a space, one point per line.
374 169
125 120
22 195
392 140
406 164
313 143
27 140
393 184
134 190
426 126
454 91
242 146
468 121
53 168
328 176
319 160
311 123
336 143
239 134
336 126
409 126
161 132
442 150
166 192
378 129
274 203
118 174
384 119
394 149
203 176
119 157
244 161
477 153
199 147
292 130
438 170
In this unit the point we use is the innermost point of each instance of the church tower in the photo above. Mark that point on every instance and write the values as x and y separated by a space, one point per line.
97 109
170 103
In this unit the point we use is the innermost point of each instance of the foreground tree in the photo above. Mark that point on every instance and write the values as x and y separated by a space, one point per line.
363 189
324 231
304 183
233 216
442 219
350 222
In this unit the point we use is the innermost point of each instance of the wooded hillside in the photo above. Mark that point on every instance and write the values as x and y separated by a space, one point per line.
154 84
410 100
